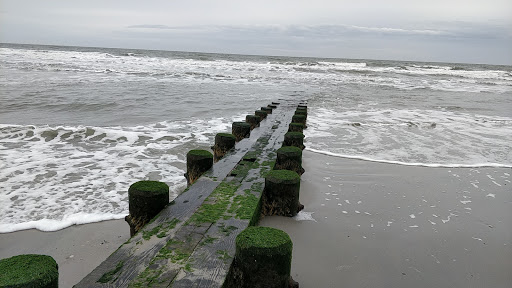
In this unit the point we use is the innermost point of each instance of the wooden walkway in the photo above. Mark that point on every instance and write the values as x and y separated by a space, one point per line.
191 243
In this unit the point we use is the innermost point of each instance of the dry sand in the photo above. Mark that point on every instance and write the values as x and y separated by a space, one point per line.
384 225
77 249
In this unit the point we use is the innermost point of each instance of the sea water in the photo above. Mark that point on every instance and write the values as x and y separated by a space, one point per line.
79 125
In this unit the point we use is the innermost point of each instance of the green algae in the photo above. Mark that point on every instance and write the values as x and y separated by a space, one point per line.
27 270
161 230
154 187
257 237
109 276
223 255
216 204
201 153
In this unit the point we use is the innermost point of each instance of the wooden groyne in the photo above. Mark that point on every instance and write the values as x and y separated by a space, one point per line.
192 241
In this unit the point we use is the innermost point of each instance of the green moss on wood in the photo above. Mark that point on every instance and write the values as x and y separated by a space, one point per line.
299 119
294 139
289 150
146 199
294 135
216 204
283 176
265 238
242 169
226 135
161 230
245 206
198 162
263 255
266 166
200 153
226 230
109 276
188 268
208 240
29 270
223 255
262 114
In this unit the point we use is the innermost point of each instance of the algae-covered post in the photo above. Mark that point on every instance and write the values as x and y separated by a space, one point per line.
241 130
198 162
145 200
253 120
299 119
267 109
289 158
30 270
301 112
296 127
262 114
272 106
281 193
294 139
263 258
223 143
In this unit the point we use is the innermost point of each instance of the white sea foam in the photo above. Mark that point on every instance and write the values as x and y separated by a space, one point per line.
56 176
427 138
304 216
174 67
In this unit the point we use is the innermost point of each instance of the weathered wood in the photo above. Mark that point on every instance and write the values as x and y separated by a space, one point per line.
296 127
294 139
253 120
29 270
151 256
263 259
299 119
145 200
281 194
223 143
198 162
262 114
289 158
267 109
241 130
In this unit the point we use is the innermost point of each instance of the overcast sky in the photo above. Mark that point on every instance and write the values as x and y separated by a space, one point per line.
469 31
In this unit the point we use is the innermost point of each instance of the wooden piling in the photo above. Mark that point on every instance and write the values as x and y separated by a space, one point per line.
281 193
223 143
240 130
198 162
145 200
29 270
289 158
294 139
262 259
253 120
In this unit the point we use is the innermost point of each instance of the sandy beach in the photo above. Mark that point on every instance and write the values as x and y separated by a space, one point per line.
375 225
77 249
385 225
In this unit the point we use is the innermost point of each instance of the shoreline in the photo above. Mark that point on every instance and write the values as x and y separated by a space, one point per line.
388 225
373 226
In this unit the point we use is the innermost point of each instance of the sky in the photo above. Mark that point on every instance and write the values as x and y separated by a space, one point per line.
460 31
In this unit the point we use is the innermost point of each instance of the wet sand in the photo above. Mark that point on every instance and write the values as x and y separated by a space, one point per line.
77 249
385 225
376 225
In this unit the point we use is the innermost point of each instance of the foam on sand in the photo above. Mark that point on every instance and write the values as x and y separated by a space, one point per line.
56 176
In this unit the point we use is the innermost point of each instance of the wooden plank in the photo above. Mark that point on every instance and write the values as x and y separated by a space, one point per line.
210 263
172 249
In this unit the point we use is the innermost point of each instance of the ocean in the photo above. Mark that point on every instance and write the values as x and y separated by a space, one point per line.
79 125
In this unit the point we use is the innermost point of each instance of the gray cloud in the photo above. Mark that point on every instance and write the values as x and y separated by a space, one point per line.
394 29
